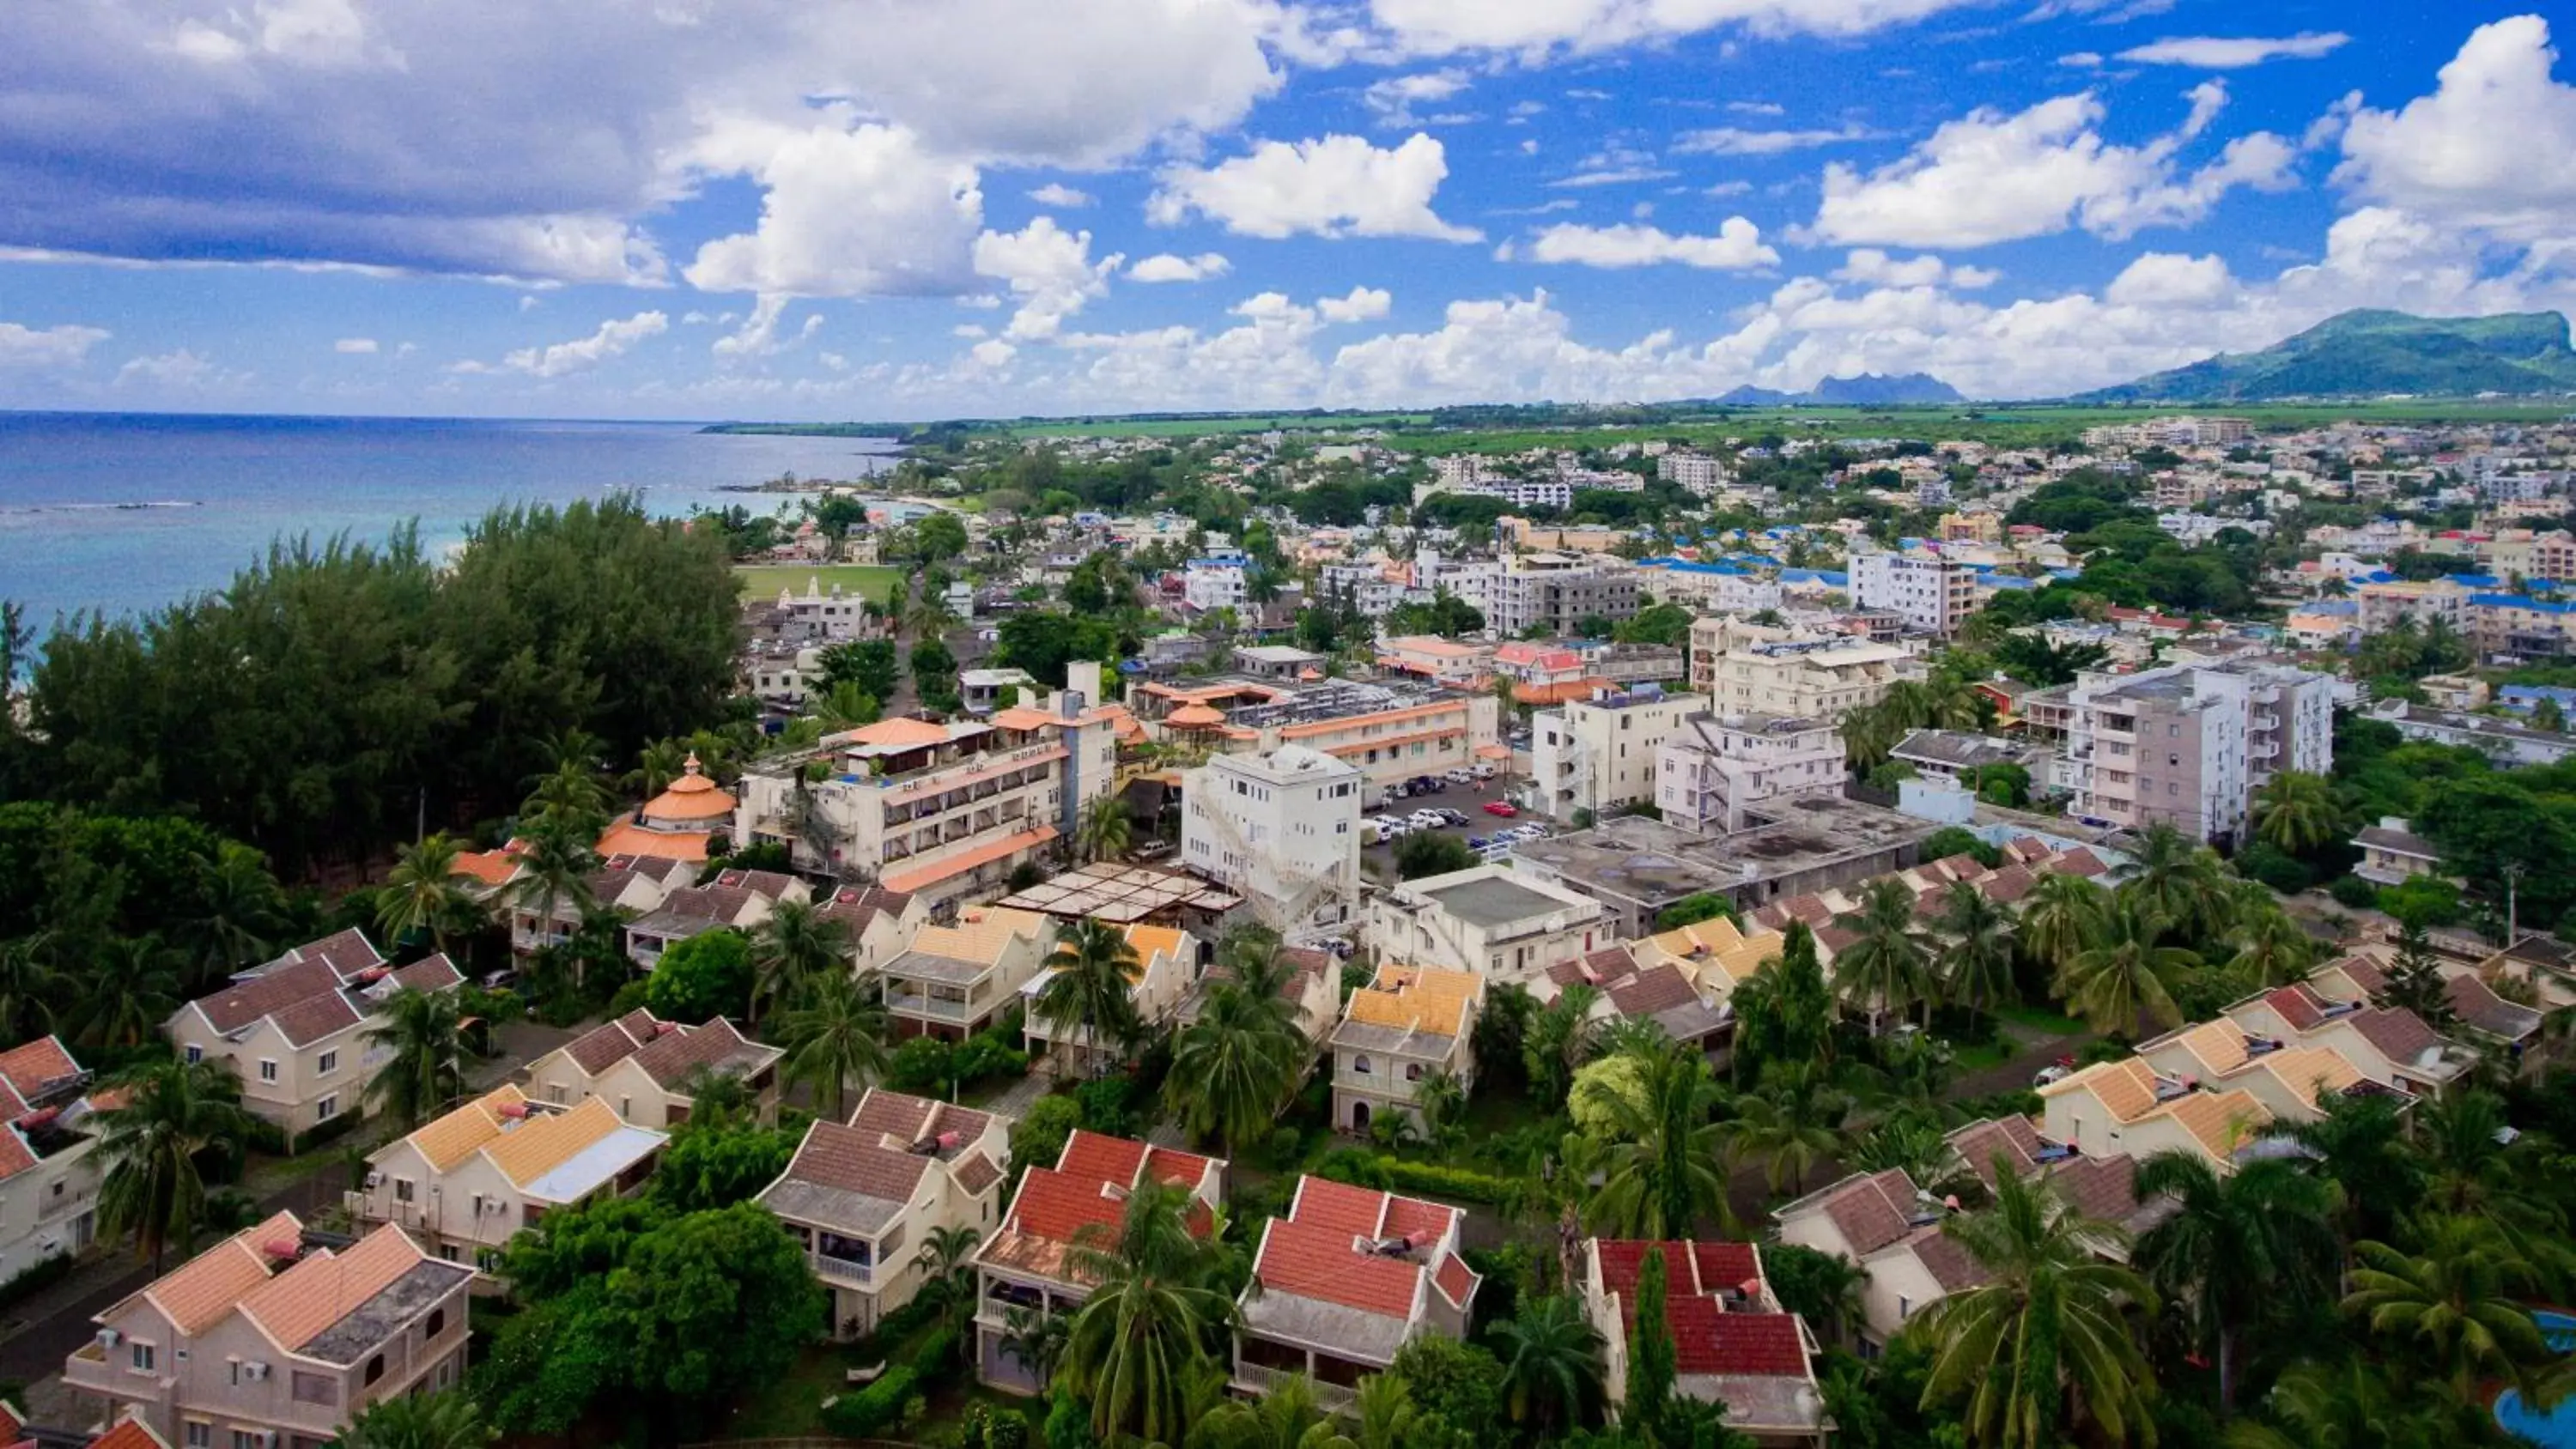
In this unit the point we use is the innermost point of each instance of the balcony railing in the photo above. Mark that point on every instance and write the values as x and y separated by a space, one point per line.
848 1270
936 1008
1254 1379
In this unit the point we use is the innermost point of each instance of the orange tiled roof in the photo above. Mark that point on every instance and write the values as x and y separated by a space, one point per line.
939 870
451 1139
628 838
296 1306
2219 1121
2127 1087
545 1143
1415 998
198 1293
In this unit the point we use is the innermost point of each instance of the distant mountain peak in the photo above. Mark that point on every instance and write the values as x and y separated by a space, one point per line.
2372 352
1868 389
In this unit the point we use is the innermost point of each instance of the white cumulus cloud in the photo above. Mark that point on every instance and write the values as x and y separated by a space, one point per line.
355 346
614 338
1335 187
1057 194
1168 267
854 211
46 348
1049 269
1364 304
1736 246
2211 52
2494 145
1530 27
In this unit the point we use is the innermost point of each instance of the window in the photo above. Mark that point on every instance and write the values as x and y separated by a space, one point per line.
435 1324
375 1368
196 1054
267 1070
1360 1064
326 1109
1413 1071
247 1439
329 1063
197 1434
307 1388
141 1357
402 1189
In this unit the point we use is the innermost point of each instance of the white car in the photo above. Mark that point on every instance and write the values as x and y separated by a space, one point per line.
1426 819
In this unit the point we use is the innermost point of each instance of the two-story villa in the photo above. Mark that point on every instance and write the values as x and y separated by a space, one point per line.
628 886
645 1068
2128 1108
294 1030
1499 923
1167 965
1028 1262
879 923
1409 1022
273 1339
48 1174
1313 989
862 1199
1732 1343
469 1181
1342 1282
954 981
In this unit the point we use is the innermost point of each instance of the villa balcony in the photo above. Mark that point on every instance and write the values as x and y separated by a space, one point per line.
1254 1380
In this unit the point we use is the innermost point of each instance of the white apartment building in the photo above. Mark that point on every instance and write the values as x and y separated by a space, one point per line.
1748 669
1526 492
1697 472
1930 592
1365 585
2189 745
1470 580
1211 584
1558 591
1281 830
1599 754
940 810
1488 920
1717 768
48 1175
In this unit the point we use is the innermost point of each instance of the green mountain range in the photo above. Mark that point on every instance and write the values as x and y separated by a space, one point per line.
2366 353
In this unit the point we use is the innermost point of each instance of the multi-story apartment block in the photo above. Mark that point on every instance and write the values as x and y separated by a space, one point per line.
1598 754
466 1183
294 1030
1390 732
954 981
1746 668
1557 592
2530 555
1488 920
2188 745
1345 1280
1732 1342
1281 830
1697 472
48 1174
1714 771
646 1069
2426 602
862 1199
1029 1261
1931 593
1721 587
1167 966
1213 584
269 1340
941 810
1442 661
1409 1022
2522 626
2506 741
1526 492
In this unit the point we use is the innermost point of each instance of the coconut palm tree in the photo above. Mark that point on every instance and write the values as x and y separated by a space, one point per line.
2060 917
570 797
1104 830
845 706
793 948
2045 1339
238 914
27 983
656 766
148 1148
1286 1417
424 894
1141 1338
835 1038
1663 1168
1976 947
2353 1404
447 1420
2237 1251
2456 1306
2359 1146
1236 1065
1793 1123
126 991
554 871
716 1097
946 1259
1036 1338
2461 1139
2178 881
2296 812
1889 967
422 1033
1553 1366
2122 976
1385 1413
1089 995
2272 948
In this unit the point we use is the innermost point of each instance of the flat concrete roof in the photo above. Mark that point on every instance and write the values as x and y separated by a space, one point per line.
1494 901
1650 861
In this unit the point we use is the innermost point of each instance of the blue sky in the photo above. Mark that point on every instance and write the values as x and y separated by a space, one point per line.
932 208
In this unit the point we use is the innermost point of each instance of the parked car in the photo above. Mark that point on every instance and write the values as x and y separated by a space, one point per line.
1479 842
1504 808
1453 817
1483 772
1458 777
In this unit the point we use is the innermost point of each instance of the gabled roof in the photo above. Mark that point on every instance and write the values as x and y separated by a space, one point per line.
451 1139
604 1046
672 1056
197 1294
2220 1122
1325 1249
2480 1006
2126 1088
297 1305
548 1140
31 1068
1979 1143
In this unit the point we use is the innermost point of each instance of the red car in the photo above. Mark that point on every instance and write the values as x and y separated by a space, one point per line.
1500 807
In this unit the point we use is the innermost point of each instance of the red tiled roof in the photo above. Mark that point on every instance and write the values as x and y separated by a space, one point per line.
2297 1006
1725 1265
235 1007
604 1046
1321 1203
1408 1217
316 1017
29 1067
1455 1279
2399 1033
853 1161
1871 1212
2080 861
1184 1169
1318 1262
1092 1157
1709 1340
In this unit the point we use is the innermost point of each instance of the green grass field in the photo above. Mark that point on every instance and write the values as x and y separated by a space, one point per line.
1203 427
877 581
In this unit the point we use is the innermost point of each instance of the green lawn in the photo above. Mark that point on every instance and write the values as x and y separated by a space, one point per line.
1985 1056
877 581
2039 1020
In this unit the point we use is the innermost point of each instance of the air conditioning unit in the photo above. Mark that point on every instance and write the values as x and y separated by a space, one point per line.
256 1372
375 1180
109 1338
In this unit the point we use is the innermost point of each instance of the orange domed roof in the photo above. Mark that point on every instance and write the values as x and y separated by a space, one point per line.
691 797
1195 717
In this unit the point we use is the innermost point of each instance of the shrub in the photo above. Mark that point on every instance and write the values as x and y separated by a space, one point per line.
1952 840
1039 1137
923 1067
878 1406
985 1056
2354 892
1108 1106
2274 867
2424 902
1397 1174
936 1358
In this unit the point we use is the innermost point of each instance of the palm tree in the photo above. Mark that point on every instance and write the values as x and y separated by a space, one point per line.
423 893
1386 1415
422 1034
1140 1339
2122 976
946 1259
238 914
125 994
717 1097
26 985
148 1147
1104 830
1794 1123
836 1039
2237 1251
1088 994
569 796
2295 812
1036 1338
1663 1168
1890 967
447 1420
2347 1405
1236 1065
2178 881
1976 947
793 948
554 871
845 706
2060 918
1287 1417
2461 1139
2359 1145
656 766
2457 1305
2272 948
2045 1338
1553 1367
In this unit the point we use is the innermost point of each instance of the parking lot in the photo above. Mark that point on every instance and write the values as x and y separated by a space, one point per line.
1468 800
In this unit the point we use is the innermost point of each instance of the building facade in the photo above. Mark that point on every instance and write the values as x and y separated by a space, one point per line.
2188 746
1715 770
1932 593
1281 830
1598 754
